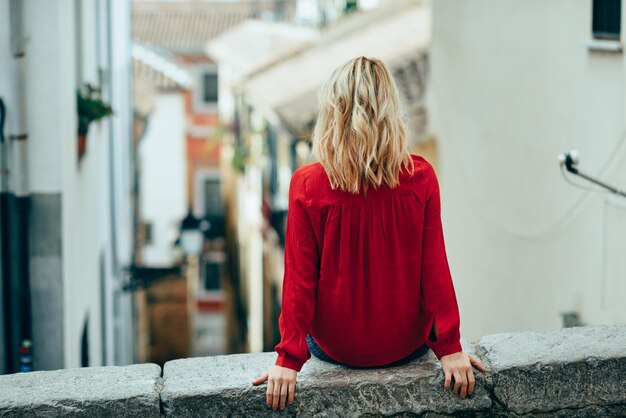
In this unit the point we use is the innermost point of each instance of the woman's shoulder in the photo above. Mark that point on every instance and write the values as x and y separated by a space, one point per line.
422 168
306 178
421 162
309 173
309 169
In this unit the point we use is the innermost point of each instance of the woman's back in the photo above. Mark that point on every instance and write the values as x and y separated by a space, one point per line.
366 275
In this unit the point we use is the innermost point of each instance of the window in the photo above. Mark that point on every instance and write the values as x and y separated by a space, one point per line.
205 92
606 19
213 203
212 276
350 5
147 233
209 87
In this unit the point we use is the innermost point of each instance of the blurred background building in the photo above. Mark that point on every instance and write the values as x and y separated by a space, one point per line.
269 75
158 232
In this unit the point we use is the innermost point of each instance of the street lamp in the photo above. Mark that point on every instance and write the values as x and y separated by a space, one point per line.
192 234
191 242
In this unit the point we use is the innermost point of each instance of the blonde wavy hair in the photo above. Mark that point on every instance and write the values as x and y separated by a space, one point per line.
360 135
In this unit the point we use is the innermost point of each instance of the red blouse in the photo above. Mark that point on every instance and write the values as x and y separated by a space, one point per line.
366 276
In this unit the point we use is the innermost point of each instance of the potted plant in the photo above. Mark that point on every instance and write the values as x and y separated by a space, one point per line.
90 108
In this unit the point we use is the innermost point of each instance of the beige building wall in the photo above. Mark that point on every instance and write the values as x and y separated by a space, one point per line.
514 84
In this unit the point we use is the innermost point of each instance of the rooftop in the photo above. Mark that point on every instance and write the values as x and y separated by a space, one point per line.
185 27
397 33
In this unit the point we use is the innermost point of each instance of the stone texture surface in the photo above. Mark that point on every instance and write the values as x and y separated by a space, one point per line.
130 391
580 369
573 372
221 386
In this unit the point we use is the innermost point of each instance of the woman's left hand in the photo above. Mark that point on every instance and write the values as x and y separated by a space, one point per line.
281 386
459 365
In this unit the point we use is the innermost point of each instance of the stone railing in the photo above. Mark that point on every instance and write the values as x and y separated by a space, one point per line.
572 372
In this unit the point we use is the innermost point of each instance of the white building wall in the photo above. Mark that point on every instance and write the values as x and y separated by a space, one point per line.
70 43
100 192
513 86
81 205
163 176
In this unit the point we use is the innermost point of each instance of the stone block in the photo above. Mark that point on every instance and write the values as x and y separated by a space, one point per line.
572 372
129 391
572 368
221 386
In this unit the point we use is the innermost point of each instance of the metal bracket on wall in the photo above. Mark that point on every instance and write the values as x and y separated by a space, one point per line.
570 161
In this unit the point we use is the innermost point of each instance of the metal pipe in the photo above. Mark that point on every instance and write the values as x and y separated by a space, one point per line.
19 321
5 242
19 137
612 189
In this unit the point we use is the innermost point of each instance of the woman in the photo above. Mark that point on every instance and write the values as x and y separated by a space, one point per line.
367 281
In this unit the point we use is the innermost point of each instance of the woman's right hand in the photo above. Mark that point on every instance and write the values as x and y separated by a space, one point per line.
460 365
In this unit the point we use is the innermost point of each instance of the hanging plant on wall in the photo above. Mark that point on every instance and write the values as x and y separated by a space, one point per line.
90 109
240 157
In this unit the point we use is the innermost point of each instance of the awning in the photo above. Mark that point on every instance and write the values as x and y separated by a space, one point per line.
155 71
256 44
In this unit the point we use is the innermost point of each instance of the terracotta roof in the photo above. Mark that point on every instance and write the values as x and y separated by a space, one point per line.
186 26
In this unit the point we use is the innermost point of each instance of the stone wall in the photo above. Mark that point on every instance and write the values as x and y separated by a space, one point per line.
573 372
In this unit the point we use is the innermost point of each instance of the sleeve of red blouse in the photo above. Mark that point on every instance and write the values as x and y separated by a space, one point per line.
299 281
437 288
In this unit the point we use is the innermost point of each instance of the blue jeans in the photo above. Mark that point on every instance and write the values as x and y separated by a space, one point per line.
317 351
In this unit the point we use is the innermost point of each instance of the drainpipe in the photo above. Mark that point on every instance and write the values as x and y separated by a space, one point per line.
118 355
4 242
17 284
